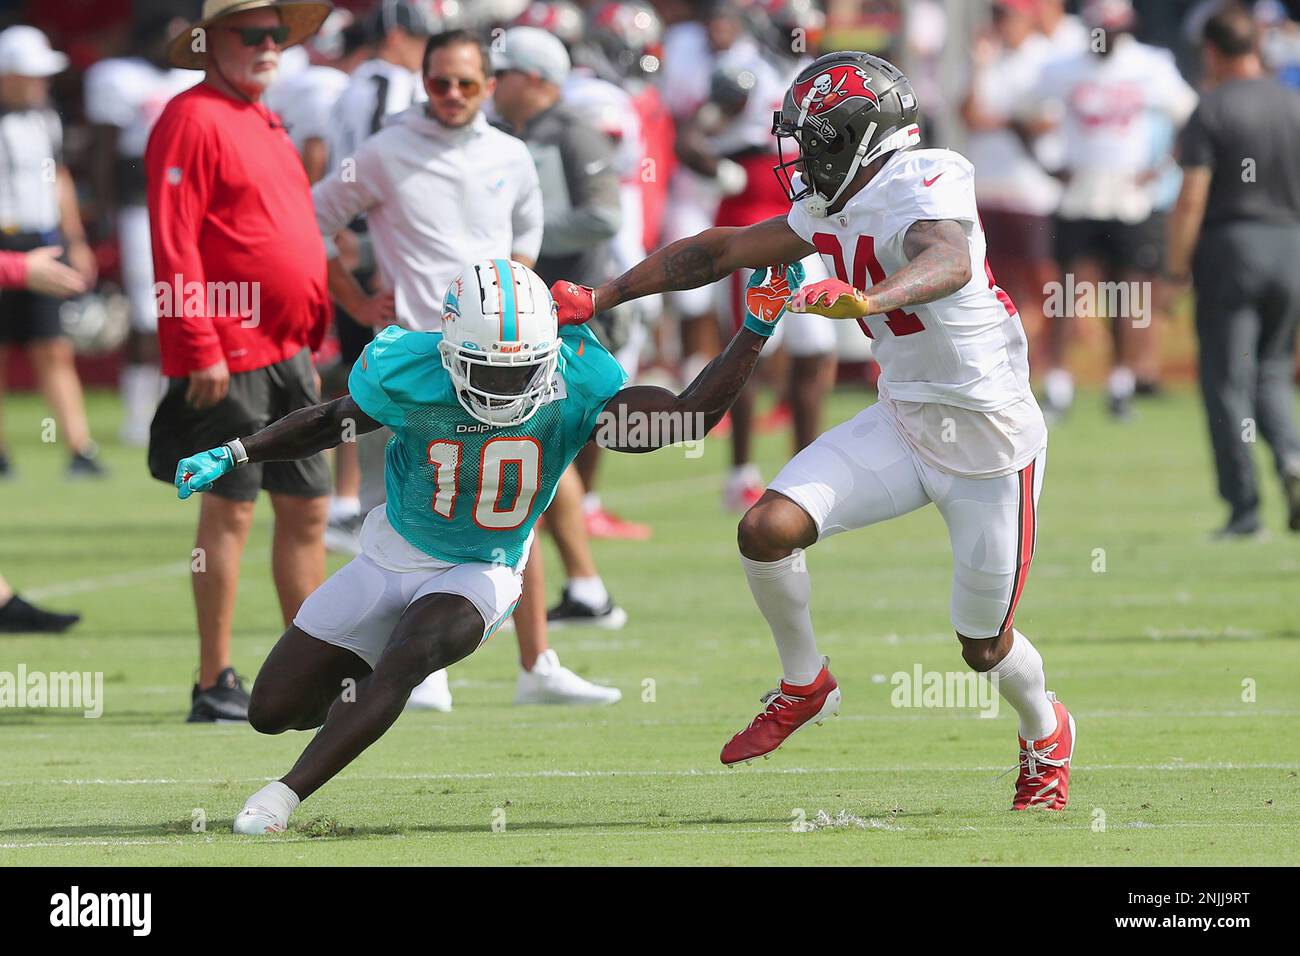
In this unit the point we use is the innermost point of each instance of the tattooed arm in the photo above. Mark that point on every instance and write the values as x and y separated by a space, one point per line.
705 258
307 431
938 264
678 418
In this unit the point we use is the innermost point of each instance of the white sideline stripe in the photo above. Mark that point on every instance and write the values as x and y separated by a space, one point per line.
721 772
685 830
121 579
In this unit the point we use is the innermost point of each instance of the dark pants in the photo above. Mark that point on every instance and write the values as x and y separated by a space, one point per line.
1247 278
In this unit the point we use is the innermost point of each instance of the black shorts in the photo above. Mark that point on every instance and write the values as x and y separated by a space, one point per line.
255 399
1120 246
26 316
353 336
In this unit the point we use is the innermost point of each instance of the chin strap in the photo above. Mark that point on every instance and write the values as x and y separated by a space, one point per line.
819 206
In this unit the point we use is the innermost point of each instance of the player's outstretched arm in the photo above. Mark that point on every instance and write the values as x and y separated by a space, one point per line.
645 418
299 434
938 264
686 264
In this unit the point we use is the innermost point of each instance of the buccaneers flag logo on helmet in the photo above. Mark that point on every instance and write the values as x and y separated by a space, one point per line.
833 88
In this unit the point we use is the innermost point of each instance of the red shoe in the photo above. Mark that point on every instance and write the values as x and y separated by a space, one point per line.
1044 779
784 712
602 524
777 418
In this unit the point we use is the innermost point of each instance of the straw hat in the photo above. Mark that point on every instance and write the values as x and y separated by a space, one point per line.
302 17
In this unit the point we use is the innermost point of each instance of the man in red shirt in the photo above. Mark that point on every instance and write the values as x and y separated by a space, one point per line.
240 282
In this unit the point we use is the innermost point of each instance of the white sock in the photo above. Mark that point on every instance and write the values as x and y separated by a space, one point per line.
590 503
141 387
343 507
747 474
1023 684
1122 383
588 591
782 595
277 798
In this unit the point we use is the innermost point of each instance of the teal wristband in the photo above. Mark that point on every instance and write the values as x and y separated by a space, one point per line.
758 326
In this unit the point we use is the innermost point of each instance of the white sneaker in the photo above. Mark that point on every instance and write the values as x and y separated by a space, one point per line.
432 694
266 811
550 683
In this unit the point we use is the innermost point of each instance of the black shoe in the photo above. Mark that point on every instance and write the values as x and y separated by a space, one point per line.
1291 484
1120 407
19 617
1240 527
1152 389
6 469
573 613
86 464
225 702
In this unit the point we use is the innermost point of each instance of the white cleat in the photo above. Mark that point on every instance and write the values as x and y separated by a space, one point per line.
432 694
266 811
258 821
550 683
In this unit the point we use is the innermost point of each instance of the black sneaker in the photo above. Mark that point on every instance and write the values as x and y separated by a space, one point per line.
225 702
343 535
1120 407
1291 484
86 464
6 469
1149 389
573 613
19 617
1243 526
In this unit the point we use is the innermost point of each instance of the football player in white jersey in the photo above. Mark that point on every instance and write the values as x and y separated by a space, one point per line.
956 424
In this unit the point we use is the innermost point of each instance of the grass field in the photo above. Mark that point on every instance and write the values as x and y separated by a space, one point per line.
1179 660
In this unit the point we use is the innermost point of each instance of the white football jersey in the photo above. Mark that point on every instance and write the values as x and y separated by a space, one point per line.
305 100
130 93
967 349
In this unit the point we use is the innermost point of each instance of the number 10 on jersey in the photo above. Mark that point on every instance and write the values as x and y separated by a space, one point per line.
497 453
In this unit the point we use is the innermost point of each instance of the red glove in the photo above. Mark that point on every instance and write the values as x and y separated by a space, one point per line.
577 303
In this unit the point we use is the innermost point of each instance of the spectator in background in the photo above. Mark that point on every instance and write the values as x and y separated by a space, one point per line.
1016 195
38 271
576 166
242 304
1236 230
305 101
124 98
1106 226
38 208
390 82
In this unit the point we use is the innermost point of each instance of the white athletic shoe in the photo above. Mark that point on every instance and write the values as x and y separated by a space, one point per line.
550 683
266 811
432 694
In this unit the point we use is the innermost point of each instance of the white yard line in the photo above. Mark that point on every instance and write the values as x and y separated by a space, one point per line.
561 774
121 579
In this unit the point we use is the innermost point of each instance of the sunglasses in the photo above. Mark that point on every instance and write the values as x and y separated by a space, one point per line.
441 86
256 36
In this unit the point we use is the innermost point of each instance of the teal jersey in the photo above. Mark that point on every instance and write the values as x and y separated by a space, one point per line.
460 490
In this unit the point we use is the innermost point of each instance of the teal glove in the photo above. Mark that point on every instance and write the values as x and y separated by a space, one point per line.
200 471
766 300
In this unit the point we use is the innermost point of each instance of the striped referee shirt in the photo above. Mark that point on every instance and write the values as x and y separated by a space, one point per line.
31 147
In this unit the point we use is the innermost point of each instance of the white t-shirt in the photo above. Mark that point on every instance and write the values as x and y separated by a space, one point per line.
965 354
1109 105
31 147
1007 176
130 93
377 89
305 100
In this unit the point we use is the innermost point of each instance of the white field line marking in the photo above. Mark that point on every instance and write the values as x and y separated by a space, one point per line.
686 830
121 579
561 774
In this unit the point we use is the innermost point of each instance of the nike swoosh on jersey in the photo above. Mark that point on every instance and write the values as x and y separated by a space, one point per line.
930 182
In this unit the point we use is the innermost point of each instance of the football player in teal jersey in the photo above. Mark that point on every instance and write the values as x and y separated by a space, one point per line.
486 415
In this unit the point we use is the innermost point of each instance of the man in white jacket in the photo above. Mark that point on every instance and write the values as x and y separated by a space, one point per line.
441 188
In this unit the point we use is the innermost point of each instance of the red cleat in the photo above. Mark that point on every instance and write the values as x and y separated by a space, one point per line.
786 710
1044 779
602 524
